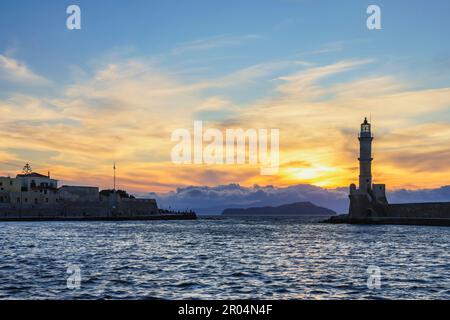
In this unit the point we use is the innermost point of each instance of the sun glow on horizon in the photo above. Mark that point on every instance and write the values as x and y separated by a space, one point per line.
121 104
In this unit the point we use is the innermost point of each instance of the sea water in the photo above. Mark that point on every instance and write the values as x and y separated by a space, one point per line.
222 258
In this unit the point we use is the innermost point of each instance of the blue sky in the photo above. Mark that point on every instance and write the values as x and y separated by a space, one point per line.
79 100
414 32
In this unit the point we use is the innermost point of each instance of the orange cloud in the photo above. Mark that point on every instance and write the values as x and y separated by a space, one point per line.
126 111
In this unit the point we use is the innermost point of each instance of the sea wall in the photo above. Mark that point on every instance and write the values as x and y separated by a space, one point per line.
81 209
432 210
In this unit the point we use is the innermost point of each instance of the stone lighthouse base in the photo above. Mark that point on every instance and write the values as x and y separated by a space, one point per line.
423 214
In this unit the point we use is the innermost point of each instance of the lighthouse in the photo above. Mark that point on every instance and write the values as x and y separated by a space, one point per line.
368 202
369 199
365 157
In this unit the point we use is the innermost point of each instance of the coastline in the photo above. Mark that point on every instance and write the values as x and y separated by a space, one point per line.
344 219
186 216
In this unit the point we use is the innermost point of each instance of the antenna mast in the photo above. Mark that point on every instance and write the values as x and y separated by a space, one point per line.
114 167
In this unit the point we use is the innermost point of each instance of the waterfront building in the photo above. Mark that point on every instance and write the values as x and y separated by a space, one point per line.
31 195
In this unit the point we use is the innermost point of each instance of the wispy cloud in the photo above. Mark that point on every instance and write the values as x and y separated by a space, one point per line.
285 23
330 47
125 111
16 71
304 82
326 48
215 42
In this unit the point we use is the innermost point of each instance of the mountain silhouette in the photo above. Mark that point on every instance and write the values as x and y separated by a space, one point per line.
293 209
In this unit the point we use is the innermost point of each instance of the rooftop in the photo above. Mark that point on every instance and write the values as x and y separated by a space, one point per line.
31 175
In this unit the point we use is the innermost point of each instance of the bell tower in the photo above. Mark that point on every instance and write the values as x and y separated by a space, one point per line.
365 157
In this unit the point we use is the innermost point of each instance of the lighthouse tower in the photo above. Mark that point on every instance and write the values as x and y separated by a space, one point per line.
365 157
369 200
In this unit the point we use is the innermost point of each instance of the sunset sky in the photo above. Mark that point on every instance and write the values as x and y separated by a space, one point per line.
73 102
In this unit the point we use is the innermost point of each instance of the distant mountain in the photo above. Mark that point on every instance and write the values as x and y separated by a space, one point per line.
211 200
293 209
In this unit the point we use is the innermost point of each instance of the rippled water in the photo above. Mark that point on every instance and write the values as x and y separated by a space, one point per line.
222 258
